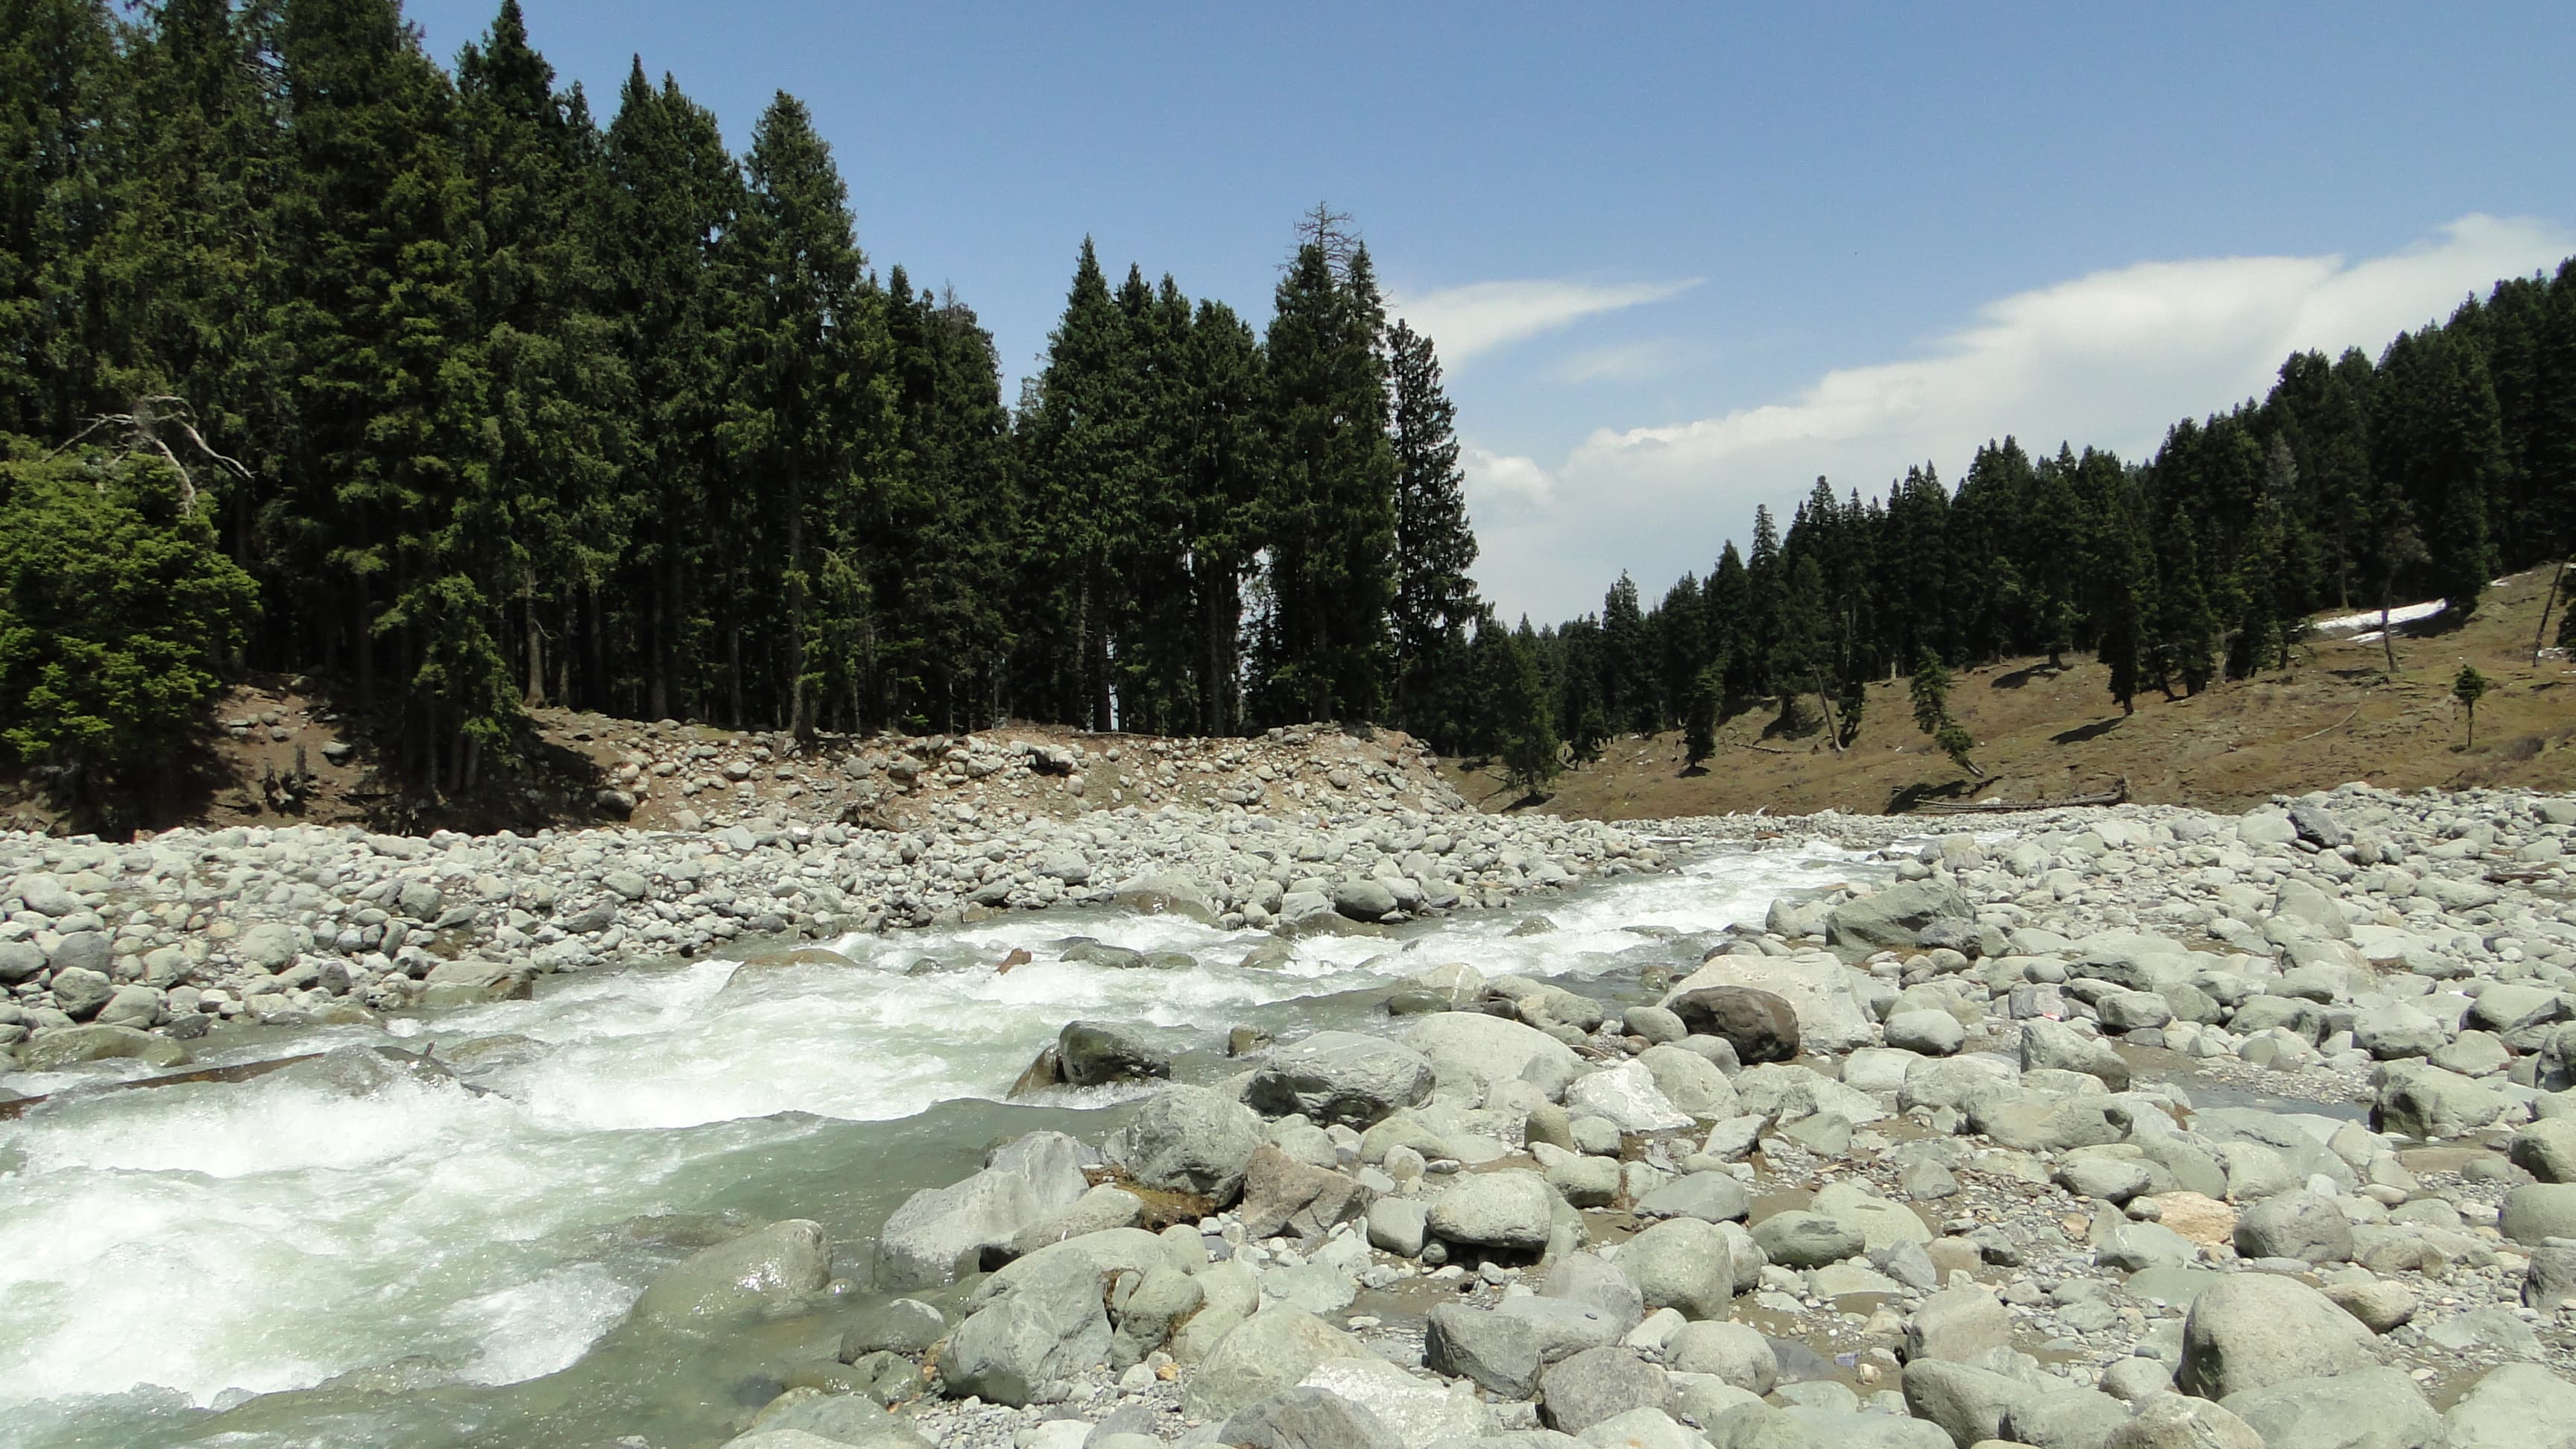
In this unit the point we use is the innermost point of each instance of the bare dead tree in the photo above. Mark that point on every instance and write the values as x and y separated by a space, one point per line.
1333 232
143 431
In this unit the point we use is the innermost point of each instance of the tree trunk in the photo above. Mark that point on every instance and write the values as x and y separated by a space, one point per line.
536 643
798 721
665 618
2387 636
733 670
2546 600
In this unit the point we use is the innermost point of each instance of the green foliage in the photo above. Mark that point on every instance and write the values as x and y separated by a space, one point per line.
529 410
1435 600
116 616
1930 691
1525 724
2468 687
1699 717
1330 521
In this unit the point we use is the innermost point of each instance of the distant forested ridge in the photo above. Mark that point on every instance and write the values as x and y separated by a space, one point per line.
2352 484
317 356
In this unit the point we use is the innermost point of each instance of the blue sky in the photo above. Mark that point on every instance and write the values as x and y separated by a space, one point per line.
1683 259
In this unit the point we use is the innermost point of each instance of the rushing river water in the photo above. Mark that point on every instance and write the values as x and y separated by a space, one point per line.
183 1250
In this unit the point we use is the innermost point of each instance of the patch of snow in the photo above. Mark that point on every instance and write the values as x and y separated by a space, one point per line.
2369 619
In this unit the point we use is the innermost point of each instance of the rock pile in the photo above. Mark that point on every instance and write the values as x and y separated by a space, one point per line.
668 775
2016 1150
116 951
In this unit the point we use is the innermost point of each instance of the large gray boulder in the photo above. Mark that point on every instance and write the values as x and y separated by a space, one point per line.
1735 1352
81 990
1418 1412
2421 1100
1691 1082
1801 1239
2067 1418
2049 1044
2536 1212
940 1234
1627 1097
1189 1139
1306 1418
1091 1052
1474 1051
1341 1076
49 1051
2374 1408
2517 1406
1596 1283
2546 1149
1968 1403
1598 1384
1760 1025
1961 1324
1048 1324
776 1265
1682 1264
1816 984
2254 1330
2295 1225
2178 1421
1895 917
1283 1194
1711 1197
1511 1211
2398 1029
1501 1354
1265 1354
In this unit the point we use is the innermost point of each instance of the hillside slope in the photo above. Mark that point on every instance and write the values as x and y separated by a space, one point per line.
2044 733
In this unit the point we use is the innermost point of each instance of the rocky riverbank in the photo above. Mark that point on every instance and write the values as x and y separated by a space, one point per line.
2127 1129
139 950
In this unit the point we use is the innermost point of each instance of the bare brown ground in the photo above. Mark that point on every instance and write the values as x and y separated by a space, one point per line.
2047 733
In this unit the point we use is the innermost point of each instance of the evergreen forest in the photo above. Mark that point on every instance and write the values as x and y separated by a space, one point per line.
445 386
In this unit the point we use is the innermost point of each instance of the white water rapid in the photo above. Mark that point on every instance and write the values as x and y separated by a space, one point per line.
217 1240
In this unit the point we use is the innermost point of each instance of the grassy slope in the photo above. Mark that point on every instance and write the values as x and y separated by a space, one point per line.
2043 733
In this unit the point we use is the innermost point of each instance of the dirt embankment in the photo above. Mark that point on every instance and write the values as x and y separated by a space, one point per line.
276 752
2046 733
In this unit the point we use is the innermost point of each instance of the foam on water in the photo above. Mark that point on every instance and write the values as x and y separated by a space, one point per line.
271 1234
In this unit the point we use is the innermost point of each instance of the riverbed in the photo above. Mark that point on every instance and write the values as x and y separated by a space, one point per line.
299 1259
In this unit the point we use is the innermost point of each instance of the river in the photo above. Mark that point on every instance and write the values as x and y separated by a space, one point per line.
451 1265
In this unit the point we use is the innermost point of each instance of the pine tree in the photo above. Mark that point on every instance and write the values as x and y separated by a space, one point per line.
1726 606
389 520
2439 439
560 398
813 415
1699 718
1525 718
1227 462
60 122
2468 688
1681 640
1434 545
1628 697
673 292
1330 520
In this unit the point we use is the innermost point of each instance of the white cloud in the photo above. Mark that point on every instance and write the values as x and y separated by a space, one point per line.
1499 484
1483 316
1621 362
2110 359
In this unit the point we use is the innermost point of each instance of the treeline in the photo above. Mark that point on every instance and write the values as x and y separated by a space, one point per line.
498 405
2352 484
